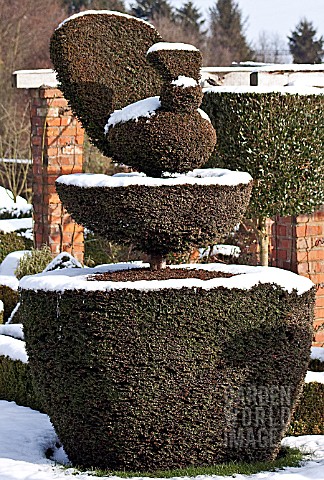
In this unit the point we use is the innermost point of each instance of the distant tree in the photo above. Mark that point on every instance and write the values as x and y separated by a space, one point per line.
152 9
304 46
24 44
227 42
75 6
189 17
271 48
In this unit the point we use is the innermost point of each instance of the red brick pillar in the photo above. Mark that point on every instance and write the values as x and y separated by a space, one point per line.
57 148
297 244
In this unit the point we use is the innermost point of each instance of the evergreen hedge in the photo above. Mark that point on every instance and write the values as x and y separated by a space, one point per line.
16 384
100 60
277 138
315 365
12 242
308 417
9 297
149 217
166 379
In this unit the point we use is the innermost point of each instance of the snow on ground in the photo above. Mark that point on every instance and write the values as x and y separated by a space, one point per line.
7 200
14 224
317 353
11 261
25 436
15 330
221 249
315 377
13 348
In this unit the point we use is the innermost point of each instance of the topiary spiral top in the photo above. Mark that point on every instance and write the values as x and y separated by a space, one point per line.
99 57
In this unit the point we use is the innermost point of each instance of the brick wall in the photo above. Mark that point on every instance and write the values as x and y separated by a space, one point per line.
57 149
297 244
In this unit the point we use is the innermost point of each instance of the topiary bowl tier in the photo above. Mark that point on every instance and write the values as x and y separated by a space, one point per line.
141 374
158 215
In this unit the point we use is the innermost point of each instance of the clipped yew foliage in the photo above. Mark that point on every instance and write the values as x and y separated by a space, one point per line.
100 61
166 142
178 99
308 416
315 365
149 217
279 140
9 298
182 377
11 242
172 63
16 383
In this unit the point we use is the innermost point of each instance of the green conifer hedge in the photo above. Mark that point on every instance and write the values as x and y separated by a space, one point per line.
165 379
277 138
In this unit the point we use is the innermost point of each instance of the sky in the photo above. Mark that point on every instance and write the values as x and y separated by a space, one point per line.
273 16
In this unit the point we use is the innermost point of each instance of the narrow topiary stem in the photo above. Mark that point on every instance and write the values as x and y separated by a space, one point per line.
263 241
158 262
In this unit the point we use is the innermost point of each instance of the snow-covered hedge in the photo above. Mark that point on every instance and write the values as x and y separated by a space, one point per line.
278 138
140 379
146 213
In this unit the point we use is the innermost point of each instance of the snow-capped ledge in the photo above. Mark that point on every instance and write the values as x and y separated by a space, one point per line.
102 12
145 108
13 348
312 377
284 90
245 278
184 82
203 176
171 46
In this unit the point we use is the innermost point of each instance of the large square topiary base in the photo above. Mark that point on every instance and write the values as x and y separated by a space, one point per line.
151 375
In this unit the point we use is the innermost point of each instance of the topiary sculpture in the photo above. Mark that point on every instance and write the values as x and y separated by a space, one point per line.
159 368
172 140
